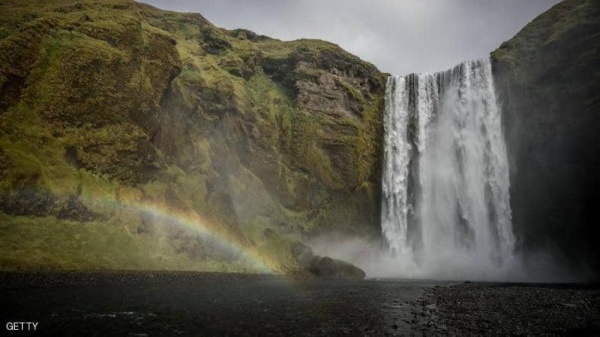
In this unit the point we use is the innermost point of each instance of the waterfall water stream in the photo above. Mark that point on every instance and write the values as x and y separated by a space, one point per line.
445 177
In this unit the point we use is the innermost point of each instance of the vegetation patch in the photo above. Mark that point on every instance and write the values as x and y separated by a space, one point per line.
111 110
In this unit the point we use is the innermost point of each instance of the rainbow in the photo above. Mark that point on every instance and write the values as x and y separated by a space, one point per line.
194 223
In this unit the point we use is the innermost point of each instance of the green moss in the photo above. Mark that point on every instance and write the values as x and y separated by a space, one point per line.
41 243
352 91
566 20
115 103
368 146
155 191
308 154
273 243
271 104
192 190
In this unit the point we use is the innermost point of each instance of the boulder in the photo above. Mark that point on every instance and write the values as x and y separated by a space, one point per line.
302 254
324 266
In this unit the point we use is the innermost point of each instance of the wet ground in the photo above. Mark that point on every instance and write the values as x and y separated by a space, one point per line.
519 309
156 304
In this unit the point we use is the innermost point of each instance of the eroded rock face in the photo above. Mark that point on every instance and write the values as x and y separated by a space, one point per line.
549 85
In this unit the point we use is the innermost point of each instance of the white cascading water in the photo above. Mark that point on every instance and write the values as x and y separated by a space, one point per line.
445 205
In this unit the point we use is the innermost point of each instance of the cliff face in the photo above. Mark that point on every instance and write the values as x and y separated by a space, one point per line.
548 79
117 120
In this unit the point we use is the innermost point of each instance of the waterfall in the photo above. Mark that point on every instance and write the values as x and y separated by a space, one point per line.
445 176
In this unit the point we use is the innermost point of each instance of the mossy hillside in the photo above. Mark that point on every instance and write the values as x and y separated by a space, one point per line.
238 75
50 243
269 141
548 81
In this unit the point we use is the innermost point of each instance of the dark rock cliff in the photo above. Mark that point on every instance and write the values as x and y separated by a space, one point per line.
548 80
112 112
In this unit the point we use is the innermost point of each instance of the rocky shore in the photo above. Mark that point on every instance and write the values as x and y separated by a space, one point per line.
518 309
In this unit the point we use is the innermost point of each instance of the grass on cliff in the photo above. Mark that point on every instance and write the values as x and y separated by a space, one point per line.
95 74
49 243
568 18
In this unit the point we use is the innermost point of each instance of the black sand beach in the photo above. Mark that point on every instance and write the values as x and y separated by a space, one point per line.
186 303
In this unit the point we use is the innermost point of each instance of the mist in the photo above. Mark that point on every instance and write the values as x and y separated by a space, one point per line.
446 210
374 257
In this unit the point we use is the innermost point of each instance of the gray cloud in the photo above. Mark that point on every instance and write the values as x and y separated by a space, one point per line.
398 36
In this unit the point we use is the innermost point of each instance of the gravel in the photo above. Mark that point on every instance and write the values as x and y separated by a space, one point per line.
518 309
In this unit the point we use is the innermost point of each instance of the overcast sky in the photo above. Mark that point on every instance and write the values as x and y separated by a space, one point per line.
398 36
